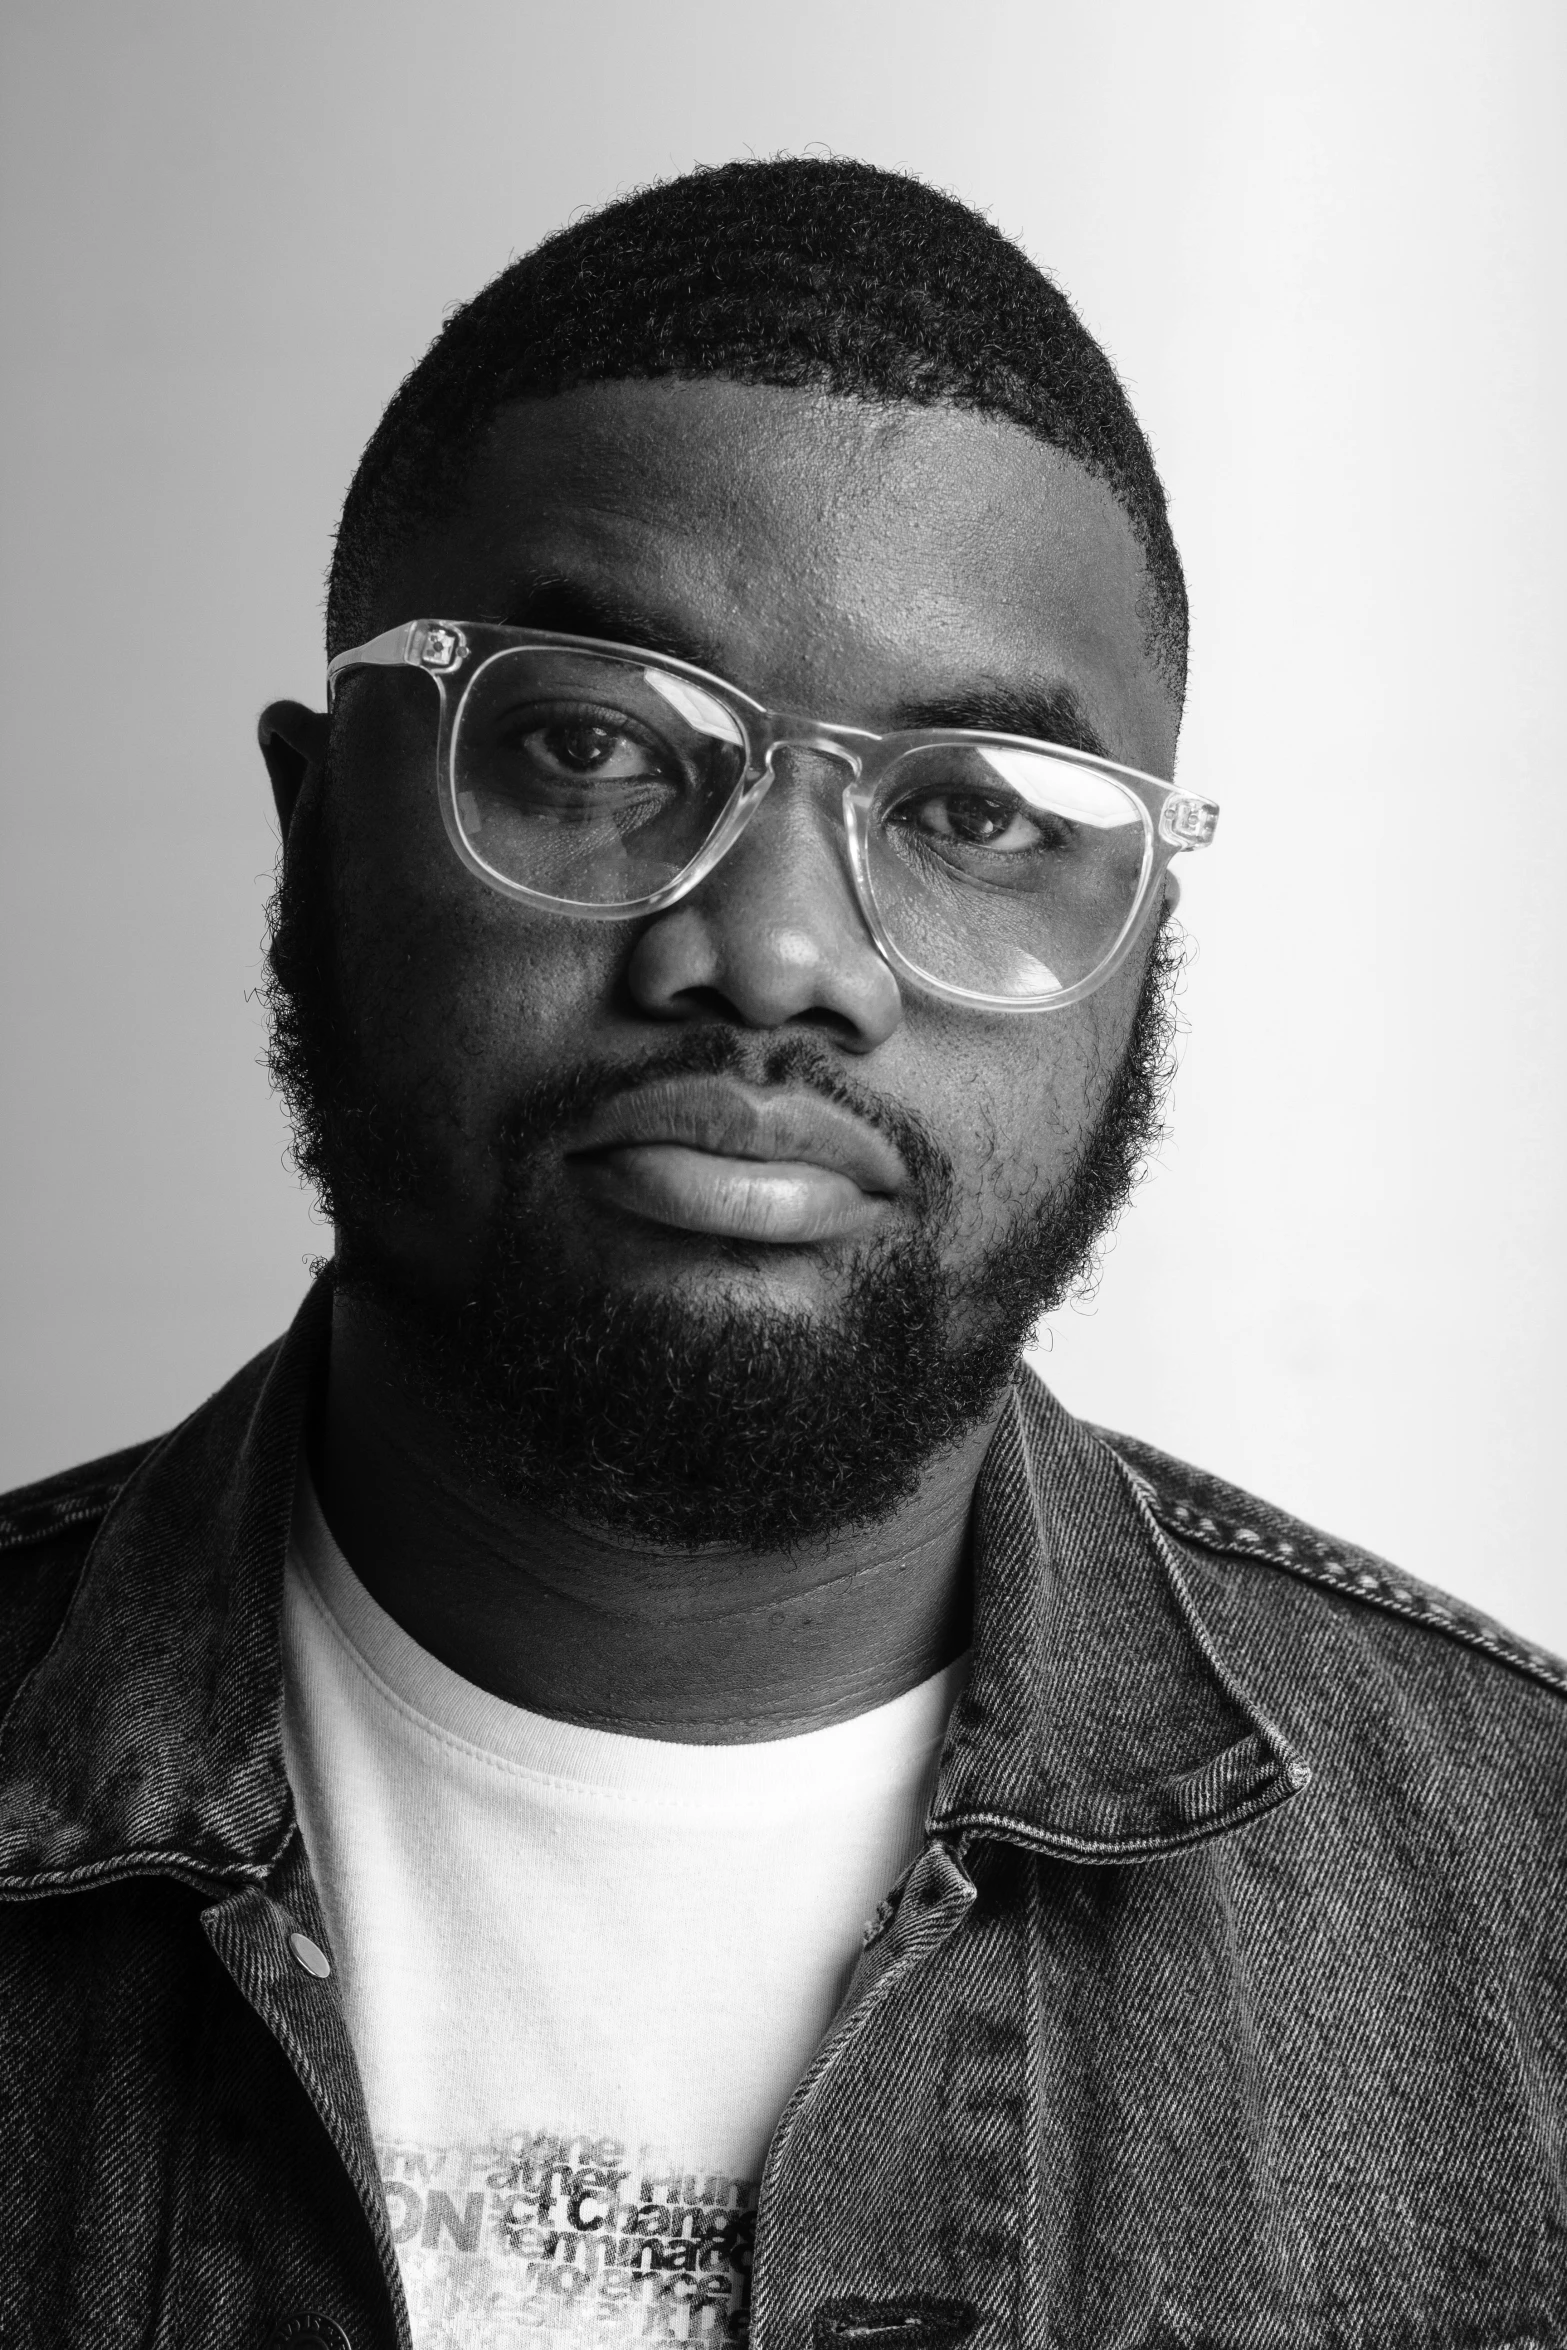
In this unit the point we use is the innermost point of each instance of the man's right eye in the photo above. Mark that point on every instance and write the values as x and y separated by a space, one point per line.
588 749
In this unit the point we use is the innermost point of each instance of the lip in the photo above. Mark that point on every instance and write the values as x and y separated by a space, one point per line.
712 1155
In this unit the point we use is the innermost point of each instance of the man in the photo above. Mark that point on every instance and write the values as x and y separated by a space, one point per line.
637 1779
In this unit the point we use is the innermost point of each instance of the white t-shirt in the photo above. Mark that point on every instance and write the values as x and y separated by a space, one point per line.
582 1972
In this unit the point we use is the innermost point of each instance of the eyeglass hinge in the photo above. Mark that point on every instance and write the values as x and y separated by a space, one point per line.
438 646
1188 822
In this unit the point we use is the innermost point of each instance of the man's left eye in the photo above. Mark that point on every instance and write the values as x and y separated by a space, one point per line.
978 820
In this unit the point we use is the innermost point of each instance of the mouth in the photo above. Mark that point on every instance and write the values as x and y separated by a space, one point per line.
710 1155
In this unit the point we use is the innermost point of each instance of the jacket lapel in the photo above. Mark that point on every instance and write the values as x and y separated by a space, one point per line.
148 1740
1102 1720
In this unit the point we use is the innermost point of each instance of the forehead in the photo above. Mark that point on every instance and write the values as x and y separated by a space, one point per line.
824 553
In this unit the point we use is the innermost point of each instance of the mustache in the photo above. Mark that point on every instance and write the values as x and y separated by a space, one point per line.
561 1102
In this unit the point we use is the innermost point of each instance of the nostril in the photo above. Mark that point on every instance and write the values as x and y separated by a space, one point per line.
772 938
711 1004
701 1003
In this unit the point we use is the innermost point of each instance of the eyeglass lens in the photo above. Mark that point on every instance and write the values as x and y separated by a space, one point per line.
598 780
1004 871
589 778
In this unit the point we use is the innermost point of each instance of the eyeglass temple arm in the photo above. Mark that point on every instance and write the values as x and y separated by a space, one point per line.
386 651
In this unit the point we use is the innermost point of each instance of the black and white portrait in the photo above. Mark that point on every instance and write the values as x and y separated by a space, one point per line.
784 1070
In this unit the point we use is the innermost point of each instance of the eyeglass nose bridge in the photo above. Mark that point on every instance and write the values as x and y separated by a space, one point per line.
845 746
817 739
815 736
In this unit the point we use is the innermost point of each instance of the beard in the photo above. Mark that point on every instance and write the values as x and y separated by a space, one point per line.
676 1421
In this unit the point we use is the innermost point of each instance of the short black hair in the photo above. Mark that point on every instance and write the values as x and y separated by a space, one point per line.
800 270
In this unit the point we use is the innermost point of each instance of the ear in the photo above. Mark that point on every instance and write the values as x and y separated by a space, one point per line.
293 744
1172 891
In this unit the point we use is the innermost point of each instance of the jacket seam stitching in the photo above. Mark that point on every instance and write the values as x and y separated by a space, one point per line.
1534 1666
830 2055
122 1866
1335 1571
77 1511
1130 1848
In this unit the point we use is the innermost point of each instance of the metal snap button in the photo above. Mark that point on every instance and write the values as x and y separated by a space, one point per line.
314 1960
305 2331
1298 1773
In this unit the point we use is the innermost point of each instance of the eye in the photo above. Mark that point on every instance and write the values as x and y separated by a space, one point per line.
589 749
980 820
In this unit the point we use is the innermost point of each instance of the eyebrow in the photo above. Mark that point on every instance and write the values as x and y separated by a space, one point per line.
1046 714
574 607
578 607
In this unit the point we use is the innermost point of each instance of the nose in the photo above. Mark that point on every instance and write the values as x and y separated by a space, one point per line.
773 937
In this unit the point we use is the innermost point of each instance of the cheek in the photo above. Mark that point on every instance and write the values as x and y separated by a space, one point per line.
1019 1099
509 998
461 1000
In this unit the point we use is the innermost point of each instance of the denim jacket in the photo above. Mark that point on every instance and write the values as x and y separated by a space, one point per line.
1225 2007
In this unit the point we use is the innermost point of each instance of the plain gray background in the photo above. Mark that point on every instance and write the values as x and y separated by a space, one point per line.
1325 245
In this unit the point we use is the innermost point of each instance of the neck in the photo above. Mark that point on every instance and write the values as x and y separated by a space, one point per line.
713 1646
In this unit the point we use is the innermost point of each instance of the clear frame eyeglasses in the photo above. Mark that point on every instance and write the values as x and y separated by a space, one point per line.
605 783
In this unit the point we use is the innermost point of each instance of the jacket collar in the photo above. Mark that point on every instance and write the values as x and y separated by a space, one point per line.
1101 1720
149 1738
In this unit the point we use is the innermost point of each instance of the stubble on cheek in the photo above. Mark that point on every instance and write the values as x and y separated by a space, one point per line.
1019 1113
454 1008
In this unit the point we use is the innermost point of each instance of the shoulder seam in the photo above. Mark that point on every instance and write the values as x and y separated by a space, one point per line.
43 1518
1340 1567
35 1513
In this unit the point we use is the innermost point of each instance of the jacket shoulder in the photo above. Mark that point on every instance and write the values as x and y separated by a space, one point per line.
71 1498
1202 1510
46 1531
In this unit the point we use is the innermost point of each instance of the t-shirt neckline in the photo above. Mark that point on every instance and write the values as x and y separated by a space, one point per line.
886 1743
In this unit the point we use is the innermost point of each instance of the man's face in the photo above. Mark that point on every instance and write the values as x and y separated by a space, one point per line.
876 567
